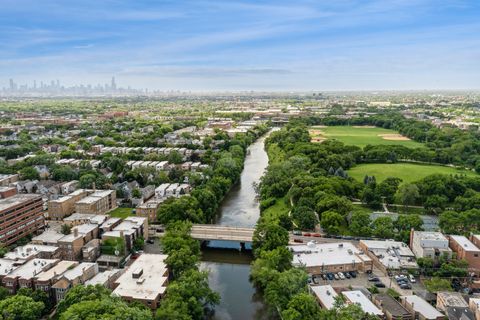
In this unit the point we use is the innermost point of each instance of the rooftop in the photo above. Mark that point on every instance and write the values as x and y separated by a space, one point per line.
29 250
326 294
392 254
430 235
367 305
466 244
32 268
149 284
392 305
16 200
452 299
312 254
103 277
59 269
422 307
50 236
78 270
6 266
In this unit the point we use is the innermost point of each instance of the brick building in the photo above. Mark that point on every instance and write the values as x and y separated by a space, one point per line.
99 202
65 206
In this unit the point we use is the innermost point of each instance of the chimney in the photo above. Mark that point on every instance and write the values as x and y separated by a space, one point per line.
75 232
94 187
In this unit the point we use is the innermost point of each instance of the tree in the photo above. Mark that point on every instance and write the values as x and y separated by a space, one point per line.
435 285
87 180
37 296
269 264
66 229
360 224
405 223
20 307
383 228
136 193
82 293
64 173
3 293
302 306
305 217
388 187
269 236
408 194
284 286
29 173
175 157
331 222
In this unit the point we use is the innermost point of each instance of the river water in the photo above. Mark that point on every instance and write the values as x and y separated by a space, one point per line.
229 268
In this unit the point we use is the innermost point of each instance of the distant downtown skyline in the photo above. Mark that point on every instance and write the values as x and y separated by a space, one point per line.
261 45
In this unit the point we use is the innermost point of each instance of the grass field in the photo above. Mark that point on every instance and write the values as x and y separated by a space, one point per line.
408 172
272 213
362 136
121 213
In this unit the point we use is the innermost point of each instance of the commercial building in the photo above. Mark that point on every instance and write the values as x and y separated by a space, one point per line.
466 250
356 296
392 309
330 257
99 202
20 215
65 206
325 296
389 255
429 244
144 281
421 308
450 299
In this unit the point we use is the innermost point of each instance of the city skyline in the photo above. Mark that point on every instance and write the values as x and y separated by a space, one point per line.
244 45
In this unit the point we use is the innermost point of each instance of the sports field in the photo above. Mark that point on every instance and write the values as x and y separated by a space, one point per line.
408 172
361 136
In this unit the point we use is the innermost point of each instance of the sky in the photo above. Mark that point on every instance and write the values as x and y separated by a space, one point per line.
263 45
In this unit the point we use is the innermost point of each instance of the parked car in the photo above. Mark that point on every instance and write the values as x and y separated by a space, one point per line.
151 241
373 278
353 274
405 286
315 280
306 234
341 276
330 276
379 284
297 233
337 277
411 278
324 276
298 240
317 235
347 275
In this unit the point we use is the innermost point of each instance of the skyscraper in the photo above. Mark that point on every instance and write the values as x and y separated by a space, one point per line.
114 85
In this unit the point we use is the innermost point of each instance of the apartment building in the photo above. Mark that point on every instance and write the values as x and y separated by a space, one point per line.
24 275
357 297
474 305
450 299
421 308
392 309
65 206
466 250
31 251
6 192
149 209
45 279
144 281
20 215
78 275
99 202
72 244
432 245
106 278
6 179
129 229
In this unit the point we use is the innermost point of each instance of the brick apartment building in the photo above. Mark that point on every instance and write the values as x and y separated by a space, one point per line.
99 202
65 206
466 250
20 215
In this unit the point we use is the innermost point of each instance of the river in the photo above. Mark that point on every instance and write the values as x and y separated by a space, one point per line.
229 268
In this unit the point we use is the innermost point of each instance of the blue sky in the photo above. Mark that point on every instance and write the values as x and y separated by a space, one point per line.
244 45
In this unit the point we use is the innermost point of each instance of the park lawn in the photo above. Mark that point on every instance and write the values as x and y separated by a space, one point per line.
408 172
121 213
362 136
272 213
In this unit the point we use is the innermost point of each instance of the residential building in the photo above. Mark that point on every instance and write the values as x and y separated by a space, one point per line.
24 275
149 209
450 299
78 275
65 206
72 243
6 192
144 281
129 229
325 296
91 250
392 309
474 305
82 218
48 237
6 266
45 279
30 251
330 257
459 313
432 245
106 278
388 255
99 202
356 296
20 215
466 250
6 179
421 308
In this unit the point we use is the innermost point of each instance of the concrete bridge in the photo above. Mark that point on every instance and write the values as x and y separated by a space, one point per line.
218 232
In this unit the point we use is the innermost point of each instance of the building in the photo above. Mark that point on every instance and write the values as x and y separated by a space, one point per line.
82 218
106 278
149 209
75 276
429 244
6 266
6 179
24 275
99 202
421 308
450 299
358 297
44 280
388 255
144 281
72 244
20 215
458 313
474 305
330 257
325 296
65 206
6 192
31 251
466 250
48 237
129 229
392 309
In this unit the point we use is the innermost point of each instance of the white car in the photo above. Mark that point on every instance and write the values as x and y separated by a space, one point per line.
411 278
341 275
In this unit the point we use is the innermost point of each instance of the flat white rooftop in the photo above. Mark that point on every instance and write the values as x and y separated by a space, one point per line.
58 269
150 284
326 294
422 307
466 244
31 268
367 306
